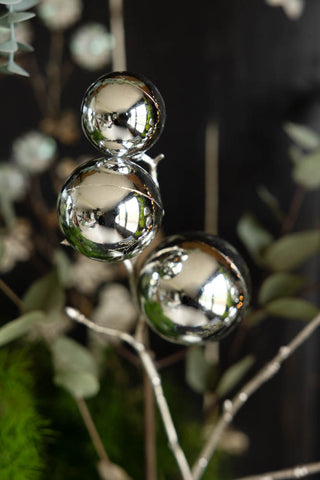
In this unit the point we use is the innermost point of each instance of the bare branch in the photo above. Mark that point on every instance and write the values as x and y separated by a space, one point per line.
231 407
155 380
299 471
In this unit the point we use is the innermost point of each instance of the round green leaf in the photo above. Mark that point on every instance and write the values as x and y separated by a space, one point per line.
294 308
303 136
46 294
253 235
292 250
307 172
18 327
234 375
280 285
197 369
79 384
70 355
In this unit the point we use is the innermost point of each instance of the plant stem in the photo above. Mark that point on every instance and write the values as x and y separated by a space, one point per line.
296 203
296 472
150 430
93 433
231 407
12 295
54 73
155 380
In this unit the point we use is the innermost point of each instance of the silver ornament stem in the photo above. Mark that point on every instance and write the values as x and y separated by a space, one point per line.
299 471
153 165
155 380
231 407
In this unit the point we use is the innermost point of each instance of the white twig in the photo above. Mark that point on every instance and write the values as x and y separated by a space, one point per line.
299 471
155 380
153 164
231 407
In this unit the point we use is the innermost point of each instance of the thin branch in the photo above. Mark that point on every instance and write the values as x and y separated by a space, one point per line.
231 407
299 471
295 206
155 380
93 432
150 430
12 295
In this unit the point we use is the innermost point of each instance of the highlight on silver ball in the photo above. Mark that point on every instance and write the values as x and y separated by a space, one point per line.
194 287
110 209
122 114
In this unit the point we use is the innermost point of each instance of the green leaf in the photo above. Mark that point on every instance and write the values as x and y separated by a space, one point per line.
9 2
271 201
9 47
78 384
253 235
280 284
307 172
63 265
12 67
24 47
18 327
303 136
292 250
197 369
295 308
234 375
46 294
70 355
75 368
26 4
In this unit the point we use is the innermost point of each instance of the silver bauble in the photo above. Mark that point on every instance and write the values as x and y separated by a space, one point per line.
194 287
122 114
110 209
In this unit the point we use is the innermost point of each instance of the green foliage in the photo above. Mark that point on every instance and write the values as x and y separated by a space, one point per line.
197 369
75 368
254 236
23 431
302 136
291 251
295 308
10 47
18 327
233 375
279 285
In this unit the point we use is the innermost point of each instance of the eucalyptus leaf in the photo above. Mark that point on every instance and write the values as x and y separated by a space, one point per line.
295 308
70 355
271 201
292 250
296 154
18 327
63 265
17 17
46 294
280 284
303 136
75 368
13 67
253 235
24 47
307 172
26 4
197 369
10 46
233 375
9 2
78 384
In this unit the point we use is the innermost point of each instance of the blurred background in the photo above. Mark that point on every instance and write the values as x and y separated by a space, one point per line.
241 83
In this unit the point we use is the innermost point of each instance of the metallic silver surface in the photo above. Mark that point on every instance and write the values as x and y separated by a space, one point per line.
110 209
122 114
194 287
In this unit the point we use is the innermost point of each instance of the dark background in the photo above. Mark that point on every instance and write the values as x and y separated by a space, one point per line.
250 68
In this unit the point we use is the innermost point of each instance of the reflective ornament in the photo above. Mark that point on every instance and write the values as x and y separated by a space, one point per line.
194 287
122 114
110 209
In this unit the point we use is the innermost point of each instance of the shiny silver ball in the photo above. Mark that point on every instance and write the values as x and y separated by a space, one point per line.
110 209
194 287
122 114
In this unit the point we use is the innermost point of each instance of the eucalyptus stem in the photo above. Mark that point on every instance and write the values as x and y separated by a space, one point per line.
155 380
12 295
231 407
